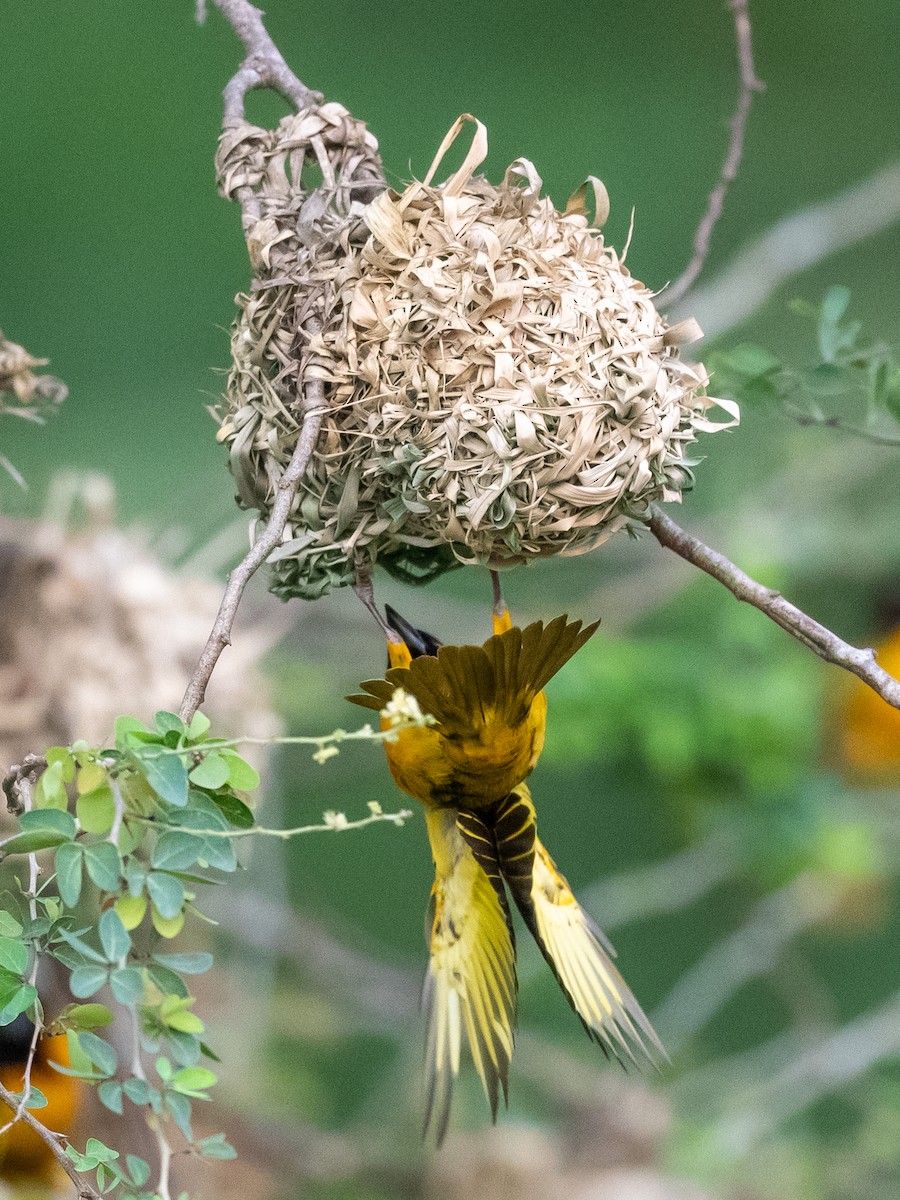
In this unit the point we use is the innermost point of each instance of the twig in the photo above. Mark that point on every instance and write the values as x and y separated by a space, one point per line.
220 637
85 1190
263 66
748 85
18 781
334 822
798 624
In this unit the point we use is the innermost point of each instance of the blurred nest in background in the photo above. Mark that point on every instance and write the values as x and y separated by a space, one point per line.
92 626
499 387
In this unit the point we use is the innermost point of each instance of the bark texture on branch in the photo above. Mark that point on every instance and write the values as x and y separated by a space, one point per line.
816 637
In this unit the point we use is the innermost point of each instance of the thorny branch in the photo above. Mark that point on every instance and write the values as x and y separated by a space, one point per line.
53 1140
793 620
748 85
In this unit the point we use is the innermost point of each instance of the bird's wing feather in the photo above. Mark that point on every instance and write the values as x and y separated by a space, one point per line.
575 948
470 989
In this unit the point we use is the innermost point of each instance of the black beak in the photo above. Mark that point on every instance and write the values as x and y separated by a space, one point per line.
418 642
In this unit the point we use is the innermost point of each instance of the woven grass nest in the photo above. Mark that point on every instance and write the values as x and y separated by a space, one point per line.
499 387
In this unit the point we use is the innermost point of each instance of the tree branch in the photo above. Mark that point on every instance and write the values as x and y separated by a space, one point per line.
85 1190
716 202
263 65
220 637
798 624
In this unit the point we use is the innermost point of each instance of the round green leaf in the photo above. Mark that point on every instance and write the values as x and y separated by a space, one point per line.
240 774
212 773
96 810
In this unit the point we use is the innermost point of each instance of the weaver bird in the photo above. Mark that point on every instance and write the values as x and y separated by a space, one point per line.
468 770
24 1156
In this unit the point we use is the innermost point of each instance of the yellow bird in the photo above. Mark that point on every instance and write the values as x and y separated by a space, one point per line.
468 770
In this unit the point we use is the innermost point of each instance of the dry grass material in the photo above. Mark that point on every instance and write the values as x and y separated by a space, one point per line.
500 388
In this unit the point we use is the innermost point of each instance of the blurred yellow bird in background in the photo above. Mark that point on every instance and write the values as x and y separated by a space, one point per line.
468 770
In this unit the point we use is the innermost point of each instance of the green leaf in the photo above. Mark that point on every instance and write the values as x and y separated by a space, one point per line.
137 1090
21 1000
114 936
86 1016
49 818
73 940
42 829
91 777
9 926
167 981
177 851
185 1047
100 1151
110 1094
216 1147
68 873
212 773
131 910
127 986
198 727
36 1098
101 1055
135 877
196 963
166 722
138 1170
752 361
831 338
103 865
51 791
13 956
167 775
835 304
167 927
235 811
240 774
167 894
96 810
64 756
180 1108
30 843
193 1081
125 726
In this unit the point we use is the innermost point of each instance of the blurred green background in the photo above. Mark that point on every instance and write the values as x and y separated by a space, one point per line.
693 786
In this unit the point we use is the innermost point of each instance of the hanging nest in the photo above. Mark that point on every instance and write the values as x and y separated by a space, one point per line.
499 387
